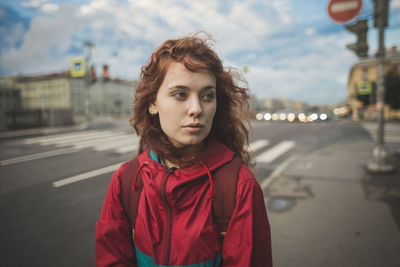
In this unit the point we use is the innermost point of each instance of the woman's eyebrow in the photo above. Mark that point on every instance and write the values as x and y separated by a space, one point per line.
187 88
179 87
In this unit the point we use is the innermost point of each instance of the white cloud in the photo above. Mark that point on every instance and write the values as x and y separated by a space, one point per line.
44 45
49 8
310 31
283 8
395 4
33 3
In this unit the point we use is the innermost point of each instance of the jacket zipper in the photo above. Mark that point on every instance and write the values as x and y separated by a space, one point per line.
167 248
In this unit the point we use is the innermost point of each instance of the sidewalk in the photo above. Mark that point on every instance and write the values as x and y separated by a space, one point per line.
325 210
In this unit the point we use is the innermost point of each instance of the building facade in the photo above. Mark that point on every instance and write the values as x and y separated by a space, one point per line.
362 86
60 99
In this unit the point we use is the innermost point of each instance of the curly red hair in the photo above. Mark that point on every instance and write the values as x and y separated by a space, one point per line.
232 100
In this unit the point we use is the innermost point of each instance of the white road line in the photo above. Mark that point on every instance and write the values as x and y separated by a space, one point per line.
116 144
95 142
256 145
276 173
273 153
126 149
41 155
56 137
77 139
86 175
388 136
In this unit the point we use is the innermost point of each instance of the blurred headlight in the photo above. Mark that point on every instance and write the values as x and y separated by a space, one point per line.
291 117
302 117
274 117
282 116
336 111
323 116
313 117
259 116
267 116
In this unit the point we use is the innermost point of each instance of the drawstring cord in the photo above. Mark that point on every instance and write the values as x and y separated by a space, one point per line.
204 166
210 179
137 174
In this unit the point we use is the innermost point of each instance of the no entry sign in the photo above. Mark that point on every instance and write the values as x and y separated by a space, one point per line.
344 11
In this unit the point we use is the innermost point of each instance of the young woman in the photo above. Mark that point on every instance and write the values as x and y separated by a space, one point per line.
188 112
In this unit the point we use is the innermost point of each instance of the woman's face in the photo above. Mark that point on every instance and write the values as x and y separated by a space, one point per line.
186 104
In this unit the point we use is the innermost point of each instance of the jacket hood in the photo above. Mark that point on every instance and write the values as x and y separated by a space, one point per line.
214 156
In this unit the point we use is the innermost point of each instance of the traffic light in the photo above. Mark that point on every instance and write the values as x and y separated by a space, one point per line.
92 74
361 46
381 8
105 73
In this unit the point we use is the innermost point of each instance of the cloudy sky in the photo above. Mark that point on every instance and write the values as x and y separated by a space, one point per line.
291 47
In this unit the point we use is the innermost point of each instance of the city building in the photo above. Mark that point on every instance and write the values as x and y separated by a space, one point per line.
362 86
59 99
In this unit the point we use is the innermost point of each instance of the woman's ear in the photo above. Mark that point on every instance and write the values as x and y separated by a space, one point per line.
153 110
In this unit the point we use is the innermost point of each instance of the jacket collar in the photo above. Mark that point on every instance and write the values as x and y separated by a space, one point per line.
215 154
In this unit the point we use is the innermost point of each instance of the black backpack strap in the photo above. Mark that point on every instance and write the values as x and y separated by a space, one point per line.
224 193
130 197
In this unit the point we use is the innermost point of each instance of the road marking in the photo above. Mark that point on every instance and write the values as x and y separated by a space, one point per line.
56 137
81 139
256 145
390 134
275 152
126 149
86 175
95 142
116 144
41 155
277 172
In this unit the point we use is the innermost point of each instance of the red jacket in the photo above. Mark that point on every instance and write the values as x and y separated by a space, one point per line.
175 227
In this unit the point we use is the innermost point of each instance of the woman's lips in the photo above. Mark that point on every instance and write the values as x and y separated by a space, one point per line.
193 127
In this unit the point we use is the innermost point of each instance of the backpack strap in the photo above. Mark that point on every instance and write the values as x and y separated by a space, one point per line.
224 194
130 198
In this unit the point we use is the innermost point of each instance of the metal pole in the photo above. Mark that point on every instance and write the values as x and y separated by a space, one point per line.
378 164
88 46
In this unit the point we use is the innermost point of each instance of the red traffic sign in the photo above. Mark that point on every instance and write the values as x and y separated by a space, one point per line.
344 11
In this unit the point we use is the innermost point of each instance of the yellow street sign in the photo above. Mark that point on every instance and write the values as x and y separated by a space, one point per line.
78 68
364 88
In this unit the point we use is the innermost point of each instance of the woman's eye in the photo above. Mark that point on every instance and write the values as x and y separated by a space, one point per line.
179 95
208 96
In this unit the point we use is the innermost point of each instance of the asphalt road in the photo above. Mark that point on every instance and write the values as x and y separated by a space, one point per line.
48 224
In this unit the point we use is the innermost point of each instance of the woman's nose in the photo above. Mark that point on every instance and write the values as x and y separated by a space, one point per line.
195 108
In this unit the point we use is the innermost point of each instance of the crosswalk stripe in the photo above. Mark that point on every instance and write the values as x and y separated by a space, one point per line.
389 136
116 144
275 152
126 149
80 139
258 144
41 155
86 175
57 137
92 143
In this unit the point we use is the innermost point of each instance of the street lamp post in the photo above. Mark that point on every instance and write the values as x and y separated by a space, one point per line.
378 164
89 45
